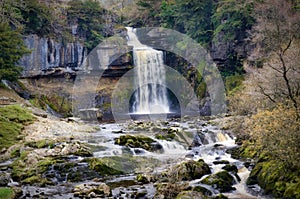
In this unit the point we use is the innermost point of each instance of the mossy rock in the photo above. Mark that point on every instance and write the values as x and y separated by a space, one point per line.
40 144
142 179
220 196
275 179
292 190
138 141
37 180
222 181
32 174
230 168
165 136
100 166
190 194
169 190
6 193
191 170
12 121
202 190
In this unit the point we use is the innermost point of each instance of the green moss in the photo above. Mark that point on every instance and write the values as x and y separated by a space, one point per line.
201 89
275 180
142 179
12 120
168 136
222 180
191 170
37 180
102 168
220 196
56 102
233 83
202 190
6 193
138 141
41 144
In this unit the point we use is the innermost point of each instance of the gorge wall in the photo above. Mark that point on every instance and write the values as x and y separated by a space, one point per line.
46 53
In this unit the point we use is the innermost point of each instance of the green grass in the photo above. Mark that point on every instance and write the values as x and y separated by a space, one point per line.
6 193
12 120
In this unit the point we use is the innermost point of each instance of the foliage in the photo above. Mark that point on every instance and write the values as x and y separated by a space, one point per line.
275 180
190 17
6 193
233 83
58 103
12 119
268 128
233 18
90 17
37 18
11 13
276 36
12 49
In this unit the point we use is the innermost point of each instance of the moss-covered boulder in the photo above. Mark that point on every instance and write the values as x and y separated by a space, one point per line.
202 190
220 196
144 179
222 181
101 166
169 190
138 141
230 168
275 180
29 169
165 136
190 170
190 194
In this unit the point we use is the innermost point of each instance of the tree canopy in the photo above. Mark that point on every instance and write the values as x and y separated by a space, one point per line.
12 48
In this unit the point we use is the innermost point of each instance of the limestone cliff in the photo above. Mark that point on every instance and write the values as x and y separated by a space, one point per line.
48 53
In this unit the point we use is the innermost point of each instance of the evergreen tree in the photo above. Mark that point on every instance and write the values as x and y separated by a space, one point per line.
12 49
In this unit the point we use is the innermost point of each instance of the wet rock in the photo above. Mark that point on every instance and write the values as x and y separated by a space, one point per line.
221 162
230 168
165 136
138 141
92 190
190 170
169 190
189 195
222 181
143 178
202 190
4 179
72 148
102 168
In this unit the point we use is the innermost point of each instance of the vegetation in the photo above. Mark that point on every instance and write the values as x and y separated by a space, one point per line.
270 96
12 120
6 193
12 49
91 19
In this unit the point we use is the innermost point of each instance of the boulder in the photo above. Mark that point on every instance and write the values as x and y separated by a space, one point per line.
222 181
190 170
138 141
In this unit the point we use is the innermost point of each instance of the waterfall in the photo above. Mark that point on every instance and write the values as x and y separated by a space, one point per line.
150 78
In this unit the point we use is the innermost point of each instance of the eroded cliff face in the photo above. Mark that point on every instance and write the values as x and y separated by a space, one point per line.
48 53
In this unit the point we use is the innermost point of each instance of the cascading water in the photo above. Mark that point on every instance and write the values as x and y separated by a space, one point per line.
150 78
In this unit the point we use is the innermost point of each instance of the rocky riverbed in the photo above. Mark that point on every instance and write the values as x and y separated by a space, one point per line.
136 159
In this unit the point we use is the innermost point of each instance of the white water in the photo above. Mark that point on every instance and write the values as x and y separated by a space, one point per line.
151 96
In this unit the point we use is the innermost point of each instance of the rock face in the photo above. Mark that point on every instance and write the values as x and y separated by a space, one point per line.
48 53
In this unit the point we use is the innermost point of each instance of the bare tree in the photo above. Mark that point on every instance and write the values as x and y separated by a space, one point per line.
276 36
